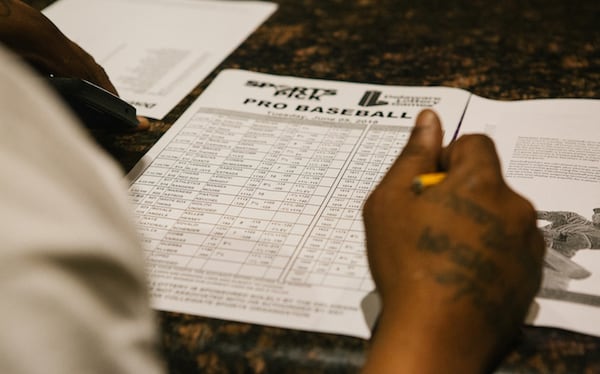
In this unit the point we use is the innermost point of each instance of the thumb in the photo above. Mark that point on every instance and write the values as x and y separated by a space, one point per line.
422 151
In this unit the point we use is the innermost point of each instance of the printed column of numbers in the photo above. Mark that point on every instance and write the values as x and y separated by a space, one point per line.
167 193
334 255
258 227
282 198
236 195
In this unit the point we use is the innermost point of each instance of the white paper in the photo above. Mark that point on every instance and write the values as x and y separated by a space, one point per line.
550 152
250 205
156 51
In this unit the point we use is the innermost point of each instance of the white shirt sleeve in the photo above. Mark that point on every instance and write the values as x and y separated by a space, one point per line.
72 284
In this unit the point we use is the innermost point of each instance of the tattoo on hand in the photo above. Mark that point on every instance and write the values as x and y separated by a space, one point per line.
475 272
472 276
485 270
495 236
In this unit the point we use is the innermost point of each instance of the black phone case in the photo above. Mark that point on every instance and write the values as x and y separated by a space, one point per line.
94 105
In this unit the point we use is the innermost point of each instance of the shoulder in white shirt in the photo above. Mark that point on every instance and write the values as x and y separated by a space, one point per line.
72 282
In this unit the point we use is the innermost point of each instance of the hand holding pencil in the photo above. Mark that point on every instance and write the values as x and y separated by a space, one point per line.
456 262
422 181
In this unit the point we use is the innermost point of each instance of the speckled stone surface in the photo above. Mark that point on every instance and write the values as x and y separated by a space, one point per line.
511 49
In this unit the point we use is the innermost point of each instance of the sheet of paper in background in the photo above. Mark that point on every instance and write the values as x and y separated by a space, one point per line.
550 153
157 51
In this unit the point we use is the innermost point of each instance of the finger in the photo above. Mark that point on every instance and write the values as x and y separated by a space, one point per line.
422 151
472 159
90 69
143 123
471 152
103 80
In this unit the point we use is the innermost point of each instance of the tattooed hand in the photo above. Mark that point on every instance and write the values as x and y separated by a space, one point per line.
457 265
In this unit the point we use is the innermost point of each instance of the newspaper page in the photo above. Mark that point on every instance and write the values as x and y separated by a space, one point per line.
157 51
250 205
550 153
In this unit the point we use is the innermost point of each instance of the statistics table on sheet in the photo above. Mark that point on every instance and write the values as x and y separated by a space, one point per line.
256 198
273 200
250 209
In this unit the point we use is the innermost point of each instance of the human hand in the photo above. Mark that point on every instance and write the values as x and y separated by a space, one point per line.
457 265
34 38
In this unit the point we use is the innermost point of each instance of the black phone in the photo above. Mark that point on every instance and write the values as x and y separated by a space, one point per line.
94 105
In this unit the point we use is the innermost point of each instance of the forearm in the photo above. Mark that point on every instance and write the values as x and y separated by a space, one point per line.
429 340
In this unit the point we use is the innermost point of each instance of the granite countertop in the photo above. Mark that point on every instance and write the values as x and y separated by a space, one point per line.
511 49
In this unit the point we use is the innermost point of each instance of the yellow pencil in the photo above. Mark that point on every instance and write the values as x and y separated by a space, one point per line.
423 181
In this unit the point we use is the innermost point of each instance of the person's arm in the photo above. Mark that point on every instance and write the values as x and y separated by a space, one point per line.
37 41
72 283
33 37
456 266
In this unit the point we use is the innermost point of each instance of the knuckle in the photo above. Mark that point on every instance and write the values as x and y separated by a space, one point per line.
371 203
476 141
528 210
479 164
484 181
376 202
522 207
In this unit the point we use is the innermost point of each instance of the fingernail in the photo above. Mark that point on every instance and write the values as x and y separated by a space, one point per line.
426 118
143 123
